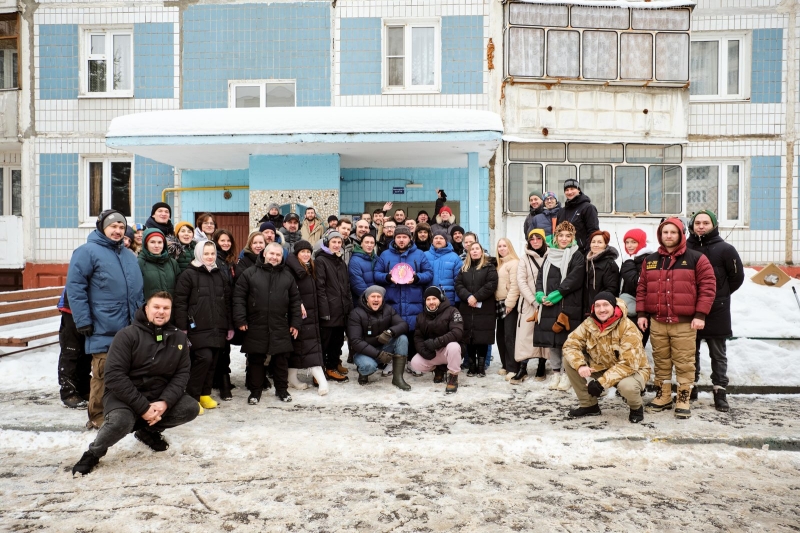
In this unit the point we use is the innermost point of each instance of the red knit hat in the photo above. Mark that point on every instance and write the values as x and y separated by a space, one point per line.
445 208
637 235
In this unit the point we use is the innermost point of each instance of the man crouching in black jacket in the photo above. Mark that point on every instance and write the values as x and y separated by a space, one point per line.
437 338
147 370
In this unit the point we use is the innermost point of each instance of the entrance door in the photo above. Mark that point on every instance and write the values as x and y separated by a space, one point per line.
237 223
413 208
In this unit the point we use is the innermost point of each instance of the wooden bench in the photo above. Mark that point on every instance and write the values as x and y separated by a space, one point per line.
28 315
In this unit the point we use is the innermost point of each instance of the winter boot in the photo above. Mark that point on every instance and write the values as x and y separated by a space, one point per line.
580 412
555 380
541 371
255 397
682 407
398 364
481 367
636 415
207 402
86 464
693 395
564 384
283 395
452 384
75 402
363 379
153 439
319 380
342 369
225 388
520 376
438 373
721 400
294 382
663 399
334 375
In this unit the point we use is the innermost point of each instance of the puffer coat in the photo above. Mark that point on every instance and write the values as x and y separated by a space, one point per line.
507 288
616 351
446 265
203 306
406 299
545 220
308 344
246 260
527 272
365 325
479 322
583 215
602 274
443 326
159 272
571 304
362 271
267 301
334 297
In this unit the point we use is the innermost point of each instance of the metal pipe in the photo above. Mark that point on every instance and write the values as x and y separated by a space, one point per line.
168 190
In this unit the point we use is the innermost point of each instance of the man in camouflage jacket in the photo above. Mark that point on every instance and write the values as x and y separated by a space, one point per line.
606 347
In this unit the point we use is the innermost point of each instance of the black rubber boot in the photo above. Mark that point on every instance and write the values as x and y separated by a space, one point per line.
398 368
520 376
541 370
481 367
225 388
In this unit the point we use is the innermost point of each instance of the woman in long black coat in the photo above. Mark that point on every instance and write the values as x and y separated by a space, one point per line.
559 290
475 287
307 351
203 310
602 271
226 262
335 302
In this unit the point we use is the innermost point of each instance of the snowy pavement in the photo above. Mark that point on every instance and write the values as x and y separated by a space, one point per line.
492 458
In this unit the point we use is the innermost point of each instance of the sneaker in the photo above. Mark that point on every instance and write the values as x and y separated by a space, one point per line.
502 372
284 396
207 402
86 463
362 379
555 379
75 402
636 415
386 370
592 410
564 383
334 375
253 399
153 439
342 369
413 372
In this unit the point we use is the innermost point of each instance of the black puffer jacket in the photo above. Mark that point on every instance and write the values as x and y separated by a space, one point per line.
571 290
443 326
602 274
227 269
246 260
267 301
333 289
364 326
140 369
630 271
308 344
729 272
583 215
203 298
479 322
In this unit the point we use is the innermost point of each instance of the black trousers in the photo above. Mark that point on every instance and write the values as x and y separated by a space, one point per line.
202 373
718 351
332 342
223 365
74 365
506 338
255 372
475 352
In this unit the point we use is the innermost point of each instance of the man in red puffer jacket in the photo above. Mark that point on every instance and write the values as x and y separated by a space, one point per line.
675 293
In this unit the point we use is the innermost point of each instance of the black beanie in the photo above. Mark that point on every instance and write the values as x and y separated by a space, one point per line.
158 205
433 290
457 228
607 296
302 245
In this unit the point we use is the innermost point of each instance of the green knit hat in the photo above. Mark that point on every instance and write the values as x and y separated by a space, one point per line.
708 212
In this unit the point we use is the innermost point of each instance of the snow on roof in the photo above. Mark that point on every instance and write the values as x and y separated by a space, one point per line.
636 4
301 120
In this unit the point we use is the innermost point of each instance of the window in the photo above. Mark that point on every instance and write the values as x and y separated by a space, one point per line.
10 191
109 185
262 93
718 66
629 46
641 179
411 55
107 63
9 51
716 186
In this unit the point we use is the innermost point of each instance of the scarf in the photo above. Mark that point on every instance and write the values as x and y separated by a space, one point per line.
560 259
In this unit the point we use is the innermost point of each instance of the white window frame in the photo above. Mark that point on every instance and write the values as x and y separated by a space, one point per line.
722 200
410 23
6 199
262 95
85 219
745 54
85 57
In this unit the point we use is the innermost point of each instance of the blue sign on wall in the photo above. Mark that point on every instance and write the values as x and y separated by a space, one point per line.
398 190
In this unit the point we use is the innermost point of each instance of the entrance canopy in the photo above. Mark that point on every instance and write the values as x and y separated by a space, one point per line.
364 137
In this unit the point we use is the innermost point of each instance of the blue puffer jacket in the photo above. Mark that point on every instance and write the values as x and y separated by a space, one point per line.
446 266
544 220
406 299
105 288
362 271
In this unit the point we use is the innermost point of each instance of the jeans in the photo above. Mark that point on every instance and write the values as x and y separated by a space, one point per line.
367 365
74 365
717 350
120 422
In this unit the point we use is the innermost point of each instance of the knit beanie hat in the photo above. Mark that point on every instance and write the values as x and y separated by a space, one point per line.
457 228
537 231
152 232
550 194
571 183
440 232
180 225
708 212
372 289
423 212
445 208
159 205
129 233
333 235
607 296
537 194
272 206
435 291
402 230
108 217
604 234
267 226
302 245
332 218
637 235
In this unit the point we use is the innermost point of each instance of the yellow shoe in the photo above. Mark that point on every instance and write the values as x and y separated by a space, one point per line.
207 402
201 409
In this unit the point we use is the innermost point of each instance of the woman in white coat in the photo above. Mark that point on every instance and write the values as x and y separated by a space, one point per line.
527 271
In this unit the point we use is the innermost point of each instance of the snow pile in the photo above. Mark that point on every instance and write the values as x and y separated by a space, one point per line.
761 311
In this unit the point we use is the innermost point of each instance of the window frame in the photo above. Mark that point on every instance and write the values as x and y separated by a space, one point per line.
745 39
8 61
6 200
85 56
262 95
408 24
85 219
722 212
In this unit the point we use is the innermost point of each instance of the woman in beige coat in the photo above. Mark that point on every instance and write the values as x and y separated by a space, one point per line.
527 272
507 294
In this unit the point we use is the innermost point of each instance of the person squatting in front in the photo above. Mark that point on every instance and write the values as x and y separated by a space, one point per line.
146 371
266 306
376 336
607 347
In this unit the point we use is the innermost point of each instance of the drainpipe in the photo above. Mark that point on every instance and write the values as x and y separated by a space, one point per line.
168 190
790 8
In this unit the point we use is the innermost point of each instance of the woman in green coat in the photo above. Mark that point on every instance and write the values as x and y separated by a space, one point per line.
159 270
181 245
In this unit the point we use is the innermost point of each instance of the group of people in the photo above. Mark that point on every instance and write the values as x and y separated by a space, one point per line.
407 295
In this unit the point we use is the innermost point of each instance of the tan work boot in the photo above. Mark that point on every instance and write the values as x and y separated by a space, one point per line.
682 407
663 399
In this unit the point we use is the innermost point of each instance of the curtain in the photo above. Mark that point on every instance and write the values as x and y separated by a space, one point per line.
704 67
526 52
600 55
636 56
422 56
563 54
672 56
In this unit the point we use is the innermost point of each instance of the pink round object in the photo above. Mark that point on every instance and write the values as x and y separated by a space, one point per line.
402 274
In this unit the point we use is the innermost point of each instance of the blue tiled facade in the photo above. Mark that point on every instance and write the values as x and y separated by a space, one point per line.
58 61
765 85
150 178
288 172
153 60
765 193
58 180
360 63
213 201
256 41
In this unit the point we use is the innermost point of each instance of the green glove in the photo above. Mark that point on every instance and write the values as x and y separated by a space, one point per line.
554 297
539 297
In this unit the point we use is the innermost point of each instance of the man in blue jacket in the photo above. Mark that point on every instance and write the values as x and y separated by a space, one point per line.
407 299
105 288
445 263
